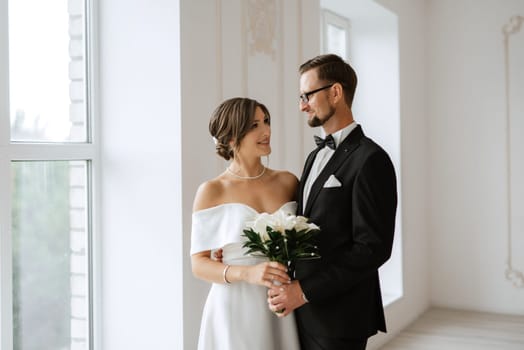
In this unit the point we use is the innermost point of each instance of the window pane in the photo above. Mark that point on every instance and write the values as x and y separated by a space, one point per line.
47 71
50 255
336 40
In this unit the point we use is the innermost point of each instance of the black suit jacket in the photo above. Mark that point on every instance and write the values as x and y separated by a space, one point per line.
357 222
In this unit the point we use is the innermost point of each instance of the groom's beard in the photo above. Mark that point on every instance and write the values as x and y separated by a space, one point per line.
317 121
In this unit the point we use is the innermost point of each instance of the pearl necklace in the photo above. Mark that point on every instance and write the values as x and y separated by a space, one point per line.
246 177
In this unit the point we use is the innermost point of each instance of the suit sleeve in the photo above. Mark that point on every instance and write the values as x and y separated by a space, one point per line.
374 203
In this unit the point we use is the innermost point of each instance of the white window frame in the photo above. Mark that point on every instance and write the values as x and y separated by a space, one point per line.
26 151
333 19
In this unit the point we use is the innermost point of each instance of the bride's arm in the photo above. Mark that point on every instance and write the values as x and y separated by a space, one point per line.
207 269
204 267
215 272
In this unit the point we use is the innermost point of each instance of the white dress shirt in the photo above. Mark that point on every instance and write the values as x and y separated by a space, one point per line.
322 157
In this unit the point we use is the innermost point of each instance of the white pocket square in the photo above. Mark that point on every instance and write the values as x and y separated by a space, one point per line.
332 181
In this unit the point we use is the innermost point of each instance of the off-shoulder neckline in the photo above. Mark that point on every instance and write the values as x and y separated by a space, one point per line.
239 204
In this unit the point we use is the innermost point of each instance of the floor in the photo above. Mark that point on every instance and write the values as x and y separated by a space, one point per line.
442 329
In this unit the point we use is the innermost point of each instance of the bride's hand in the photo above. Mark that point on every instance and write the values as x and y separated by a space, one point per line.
217 255
266 274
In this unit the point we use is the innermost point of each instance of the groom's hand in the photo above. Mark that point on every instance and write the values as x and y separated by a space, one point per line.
286 297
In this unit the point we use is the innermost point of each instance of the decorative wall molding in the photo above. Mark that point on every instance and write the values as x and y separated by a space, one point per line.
262 15
513 26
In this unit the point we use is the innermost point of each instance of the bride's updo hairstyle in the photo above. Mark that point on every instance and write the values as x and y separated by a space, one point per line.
232 120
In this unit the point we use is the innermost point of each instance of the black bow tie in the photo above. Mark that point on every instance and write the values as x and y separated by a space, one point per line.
328 141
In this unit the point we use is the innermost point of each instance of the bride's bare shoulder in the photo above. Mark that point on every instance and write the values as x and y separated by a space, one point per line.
286 179
209 194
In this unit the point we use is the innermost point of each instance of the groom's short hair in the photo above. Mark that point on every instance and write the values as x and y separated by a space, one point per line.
333 69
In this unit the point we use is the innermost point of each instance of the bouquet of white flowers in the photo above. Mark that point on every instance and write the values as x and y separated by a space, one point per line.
281 237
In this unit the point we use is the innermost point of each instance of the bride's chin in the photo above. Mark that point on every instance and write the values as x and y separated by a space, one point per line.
266 150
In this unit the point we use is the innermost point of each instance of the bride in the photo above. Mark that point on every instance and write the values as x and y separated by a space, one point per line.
236 315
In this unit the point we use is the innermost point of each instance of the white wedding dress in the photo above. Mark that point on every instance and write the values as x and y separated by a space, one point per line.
236 315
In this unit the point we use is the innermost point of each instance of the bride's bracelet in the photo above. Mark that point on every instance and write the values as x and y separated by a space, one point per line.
224 274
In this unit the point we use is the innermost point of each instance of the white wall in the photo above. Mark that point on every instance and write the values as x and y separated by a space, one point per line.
467 155
140 295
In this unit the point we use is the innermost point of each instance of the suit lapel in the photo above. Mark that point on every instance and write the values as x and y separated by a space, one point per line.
305 173
344 150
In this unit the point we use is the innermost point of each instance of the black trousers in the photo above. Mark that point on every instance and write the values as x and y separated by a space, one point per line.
314 342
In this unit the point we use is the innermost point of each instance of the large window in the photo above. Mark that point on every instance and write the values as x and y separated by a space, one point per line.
47 157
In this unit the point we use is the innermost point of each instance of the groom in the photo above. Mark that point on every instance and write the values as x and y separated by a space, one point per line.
348 188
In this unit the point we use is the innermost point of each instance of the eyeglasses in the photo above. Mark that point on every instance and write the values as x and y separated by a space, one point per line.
305 96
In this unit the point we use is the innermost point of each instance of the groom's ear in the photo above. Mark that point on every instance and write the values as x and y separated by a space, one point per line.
338 92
